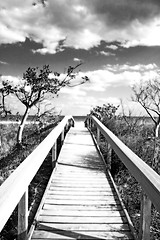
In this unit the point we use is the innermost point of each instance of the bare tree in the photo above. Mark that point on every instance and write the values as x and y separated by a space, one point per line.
148 96
47 115
131 121
37 84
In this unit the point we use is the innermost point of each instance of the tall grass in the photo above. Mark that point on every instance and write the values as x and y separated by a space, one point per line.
140 139
10 159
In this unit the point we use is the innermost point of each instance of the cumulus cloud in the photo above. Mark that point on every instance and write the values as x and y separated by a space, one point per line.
113 47
128 67
12 79
80 24
119 76
4 63
107 53
77 60
102 83
75 94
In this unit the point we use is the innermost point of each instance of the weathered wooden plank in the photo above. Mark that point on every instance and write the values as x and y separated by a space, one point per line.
101 207
83 198
81 193
79 187
76 219
81 190
81 179
73 170
78 170
80 140
88 184
85 189
110 227
79 202
81 213
61 234
43 235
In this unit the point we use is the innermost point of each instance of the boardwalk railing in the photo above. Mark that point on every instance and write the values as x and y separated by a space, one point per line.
145 175
15 189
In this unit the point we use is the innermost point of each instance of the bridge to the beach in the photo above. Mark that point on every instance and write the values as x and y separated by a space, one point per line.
81 200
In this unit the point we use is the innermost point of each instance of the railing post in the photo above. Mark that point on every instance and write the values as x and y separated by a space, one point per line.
145 218
62 137
54 154
109 156
90 123
98 136
23 217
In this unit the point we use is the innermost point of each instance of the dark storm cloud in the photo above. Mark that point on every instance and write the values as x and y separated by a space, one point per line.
122 12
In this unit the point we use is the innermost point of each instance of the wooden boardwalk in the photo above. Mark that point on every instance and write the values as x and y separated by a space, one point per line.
80 200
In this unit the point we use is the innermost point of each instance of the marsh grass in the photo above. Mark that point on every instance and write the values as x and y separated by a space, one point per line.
12 156
140 141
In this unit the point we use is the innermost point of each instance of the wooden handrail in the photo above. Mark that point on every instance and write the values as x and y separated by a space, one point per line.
15 186
143 173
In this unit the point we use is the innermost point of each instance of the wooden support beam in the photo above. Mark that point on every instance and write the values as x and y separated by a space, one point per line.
109 156
54 154
145 219
62 137
98 136
23 217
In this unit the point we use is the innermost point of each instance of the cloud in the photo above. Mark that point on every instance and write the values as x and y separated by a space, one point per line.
80 24
4 63
121 13
107 53
106 85
77 60
120 76
11 79
100 80
128 67
76 93
113 47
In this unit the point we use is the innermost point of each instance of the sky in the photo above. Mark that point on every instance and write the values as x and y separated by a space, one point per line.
117 41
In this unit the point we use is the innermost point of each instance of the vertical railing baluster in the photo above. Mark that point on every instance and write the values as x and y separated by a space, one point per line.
89 123
98 136
62 137
109 156
54 154
23 217
145 218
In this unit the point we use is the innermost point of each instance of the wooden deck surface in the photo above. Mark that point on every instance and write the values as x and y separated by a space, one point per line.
80 201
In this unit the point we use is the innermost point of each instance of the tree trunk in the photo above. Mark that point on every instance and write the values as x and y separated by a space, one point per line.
21 126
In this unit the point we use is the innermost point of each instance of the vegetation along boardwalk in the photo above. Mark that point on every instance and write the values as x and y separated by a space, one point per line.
80 201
